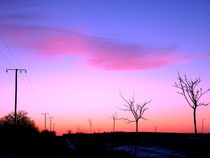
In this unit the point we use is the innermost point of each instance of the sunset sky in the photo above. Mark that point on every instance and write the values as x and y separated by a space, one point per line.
80 53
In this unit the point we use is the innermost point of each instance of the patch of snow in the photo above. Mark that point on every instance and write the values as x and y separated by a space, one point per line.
149 151
70 145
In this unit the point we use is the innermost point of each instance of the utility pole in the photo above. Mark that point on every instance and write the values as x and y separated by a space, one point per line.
16 88
90 123
51 122
45 120
54 127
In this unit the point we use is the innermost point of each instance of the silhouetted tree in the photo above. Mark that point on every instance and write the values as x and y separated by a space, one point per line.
192 94
24 123
137 110
18 138
114 117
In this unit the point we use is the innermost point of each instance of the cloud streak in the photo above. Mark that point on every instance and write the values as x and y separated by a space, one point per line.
21 17
99 52
17 4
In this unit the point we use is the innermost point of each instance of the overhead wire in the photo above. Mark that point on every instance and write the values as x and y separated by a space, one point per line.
6 58
9 62
10 51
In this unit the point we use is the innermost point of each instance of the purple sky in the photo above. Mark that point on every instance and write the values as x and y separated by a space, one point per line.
80 53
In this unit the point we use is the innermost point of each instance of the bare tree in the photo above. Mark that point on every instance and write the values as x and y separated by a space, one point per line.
114 117
136 109
192 94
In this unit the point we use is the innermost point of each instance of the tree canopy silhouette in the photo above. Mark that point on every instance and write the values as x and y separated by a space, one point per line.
23 122
192 94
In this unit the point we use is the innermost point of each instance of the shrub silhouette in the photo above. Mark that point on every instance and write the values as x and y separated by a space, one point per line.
17 137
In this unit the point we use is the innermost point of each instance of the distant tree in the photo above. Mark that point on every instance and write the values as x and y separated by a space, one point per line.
137 110
69 132
23 121
192 94
114 117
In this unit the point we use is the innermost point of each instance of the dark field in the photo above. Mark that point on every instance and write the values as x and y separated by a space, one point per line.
106 145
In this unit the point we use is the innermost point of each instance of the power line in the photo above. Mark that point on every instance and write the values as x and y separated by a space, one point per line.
31 93
32 90
7 59
10 63
10 51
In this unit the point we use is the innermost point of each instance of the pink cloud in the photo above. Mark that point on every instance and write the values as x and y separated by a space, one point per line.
100 52
118 56
205 55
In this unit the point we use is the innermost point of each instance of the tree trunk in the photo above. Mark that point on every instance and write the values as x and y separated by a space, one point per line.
136 139
137 126
195 125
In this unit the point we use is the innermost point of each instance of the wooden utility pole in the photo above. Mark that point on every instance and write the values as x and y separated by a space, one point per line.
53 126
91 124
45 120
16 88
51 122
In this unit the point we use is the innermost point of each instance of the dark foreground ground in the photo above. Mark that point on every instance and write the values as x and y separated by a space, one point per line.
107 145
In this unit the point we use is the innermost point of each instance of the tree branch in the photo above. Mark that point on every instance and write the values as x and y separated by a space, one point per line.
127 120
